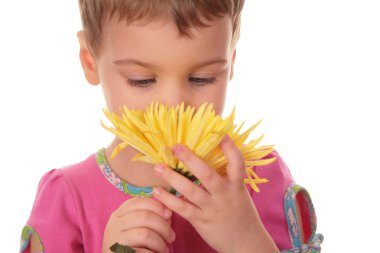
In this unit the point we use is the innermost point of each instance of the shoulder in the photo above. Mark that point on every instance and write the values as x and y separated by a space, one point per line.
60 181
277 172
277 204
55 195
279 180
53 208
270 200
80 170
51 185
55 205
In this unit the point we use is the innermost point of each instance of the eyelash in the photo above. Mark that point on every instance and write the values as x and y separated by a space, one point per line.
143 83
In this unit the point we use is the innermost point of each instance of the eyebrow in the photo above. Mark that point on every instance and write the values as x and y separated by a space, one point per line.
127 61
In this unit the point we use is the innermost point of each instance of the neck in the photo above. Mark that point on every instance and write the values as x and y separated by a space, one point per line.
139 174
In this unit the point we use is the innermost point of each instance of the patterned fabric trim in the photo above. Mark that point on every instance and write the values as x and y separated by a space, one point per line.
120 184
117 181
302 221
26 234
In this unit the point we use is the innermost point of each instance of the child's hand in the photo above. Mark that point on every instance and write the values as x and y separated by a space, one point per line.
222 212
140 223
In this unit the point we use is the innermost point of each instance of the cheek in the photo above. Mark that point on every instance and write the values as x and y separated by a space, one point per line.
114 89
114 94
217 97
219 104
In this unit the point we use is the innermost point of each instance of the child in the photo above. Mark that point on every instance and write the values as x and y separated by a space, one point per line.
166 51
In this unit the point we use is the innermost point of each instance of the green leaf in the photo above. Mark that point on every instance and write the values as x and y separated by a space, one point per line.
118 248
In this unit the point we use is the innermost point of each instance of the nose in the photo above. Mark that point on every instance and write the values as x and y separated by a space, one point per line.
174 94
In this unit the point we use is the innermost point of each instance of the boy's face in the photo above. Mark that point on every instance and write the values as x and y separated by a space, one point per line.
139 64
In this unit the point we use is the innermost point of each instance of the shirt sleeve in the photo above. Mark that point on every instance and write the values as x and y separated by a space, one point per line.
273 204
302 221
54 219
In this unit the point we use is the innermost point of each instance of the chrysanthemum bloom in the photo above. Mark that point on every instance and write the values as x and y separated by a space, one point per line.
154 131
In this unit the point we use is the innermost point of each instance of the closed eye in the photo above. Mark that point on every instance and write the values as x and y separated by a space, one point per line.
202 81
140 83
144 83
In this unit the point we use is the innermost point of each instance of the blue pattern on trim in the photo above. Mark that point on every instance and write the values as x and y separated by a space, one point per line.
313 244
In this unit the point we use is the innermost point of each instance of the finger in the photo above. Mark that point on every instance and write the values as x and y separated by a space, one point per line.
178 205
210 179
193 193
139 203
144 238
236 165
148 220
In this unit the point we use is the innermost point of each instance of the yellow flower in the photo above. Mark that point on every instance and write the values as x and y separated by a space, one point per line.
154 131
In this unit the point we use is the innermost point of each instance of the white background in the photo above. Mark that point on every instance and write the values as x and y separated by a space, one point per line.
310 69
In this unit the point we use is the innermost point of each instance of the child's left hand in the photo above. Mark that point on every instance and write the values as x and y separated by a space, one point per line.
222 212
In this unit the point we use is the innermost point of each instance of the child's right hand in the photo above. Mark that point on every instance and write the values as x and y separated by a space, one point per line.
141 223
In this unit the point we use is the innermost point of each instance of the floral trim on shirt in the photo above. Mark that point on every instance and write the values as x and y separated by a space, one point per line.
26 234
302 221
120 184
117 181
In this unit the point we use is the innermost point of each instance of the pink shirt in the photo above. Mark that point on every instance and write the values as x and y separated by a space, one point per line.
74 203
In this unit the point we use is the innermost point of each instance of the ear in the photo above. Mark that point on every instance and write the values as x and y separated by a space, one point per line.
232 64
87 60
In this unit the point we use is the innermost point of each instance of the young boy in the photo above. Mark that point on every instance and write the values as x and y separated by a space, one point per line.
172 52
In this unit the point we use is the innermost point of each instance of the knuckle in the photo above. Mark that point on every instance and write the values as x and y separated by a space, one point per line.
171 235
208 175
155 205
186 155
145 215
191 190
149 204
181 206
203 221
122 208
184 209
167 234
116 214
145 234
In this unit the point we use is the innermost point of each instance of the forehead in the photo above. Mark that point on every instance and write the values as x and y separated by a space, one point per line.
158 40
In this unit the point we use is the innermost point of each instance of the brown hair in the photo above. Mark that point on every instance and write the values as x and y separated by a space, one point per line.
184 13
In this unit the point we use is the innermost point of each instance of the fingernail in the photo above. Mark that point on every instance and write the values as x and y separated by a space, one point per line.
159 169
177 149
156 191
